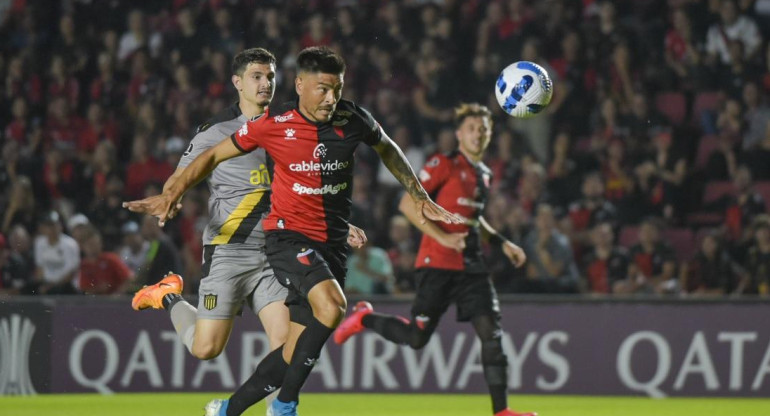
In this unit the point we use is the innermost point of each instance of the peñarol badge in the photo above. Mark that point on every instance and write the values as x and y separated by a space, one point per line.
210 302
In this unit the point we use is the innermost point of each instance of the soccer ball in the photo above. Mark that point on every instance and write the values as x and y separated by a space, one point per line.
523 89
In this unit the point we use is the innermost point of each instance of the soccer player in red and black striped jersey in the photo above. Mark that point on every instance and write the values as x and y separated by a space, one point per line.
450 268
311 142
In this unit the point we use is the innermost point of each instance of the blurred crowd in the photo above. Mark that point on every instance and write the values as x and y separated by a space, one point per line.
649 173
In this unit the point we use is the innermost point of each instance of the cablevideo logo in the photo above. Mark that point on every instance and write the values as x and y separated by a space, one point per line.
16 333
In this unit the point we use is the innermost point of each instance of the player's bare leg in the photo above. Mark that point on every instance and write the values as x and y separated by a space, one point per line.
328 304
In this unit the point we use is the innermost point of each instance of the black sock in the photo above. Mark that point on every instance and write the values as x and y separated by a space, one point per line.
265 380
170 299
392 328
306 352
499 394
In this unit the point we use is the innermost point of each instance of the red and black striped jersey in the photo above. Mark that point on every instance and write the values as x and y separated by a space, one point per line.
460 187
313 166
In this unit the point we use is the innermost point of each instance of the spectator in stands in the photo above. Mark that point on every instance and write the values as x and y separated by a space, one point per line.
61 83
369 272
712 271
531 190
510 219
671 167
740 207
606 263
16 130
134 248
225 38
653 263
550 266
682 49
563 171
21 207
162 256
401 253
616 174
756 116
732 26
588 211
757 158
758 259
101 273
13 275
643 124
138 36
57 257
20 245
108 213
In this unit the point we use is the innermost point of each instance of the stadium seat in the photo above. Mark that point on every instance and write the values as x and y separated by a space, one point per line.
717 189
673 105
707 145
629 236
682 241
704 101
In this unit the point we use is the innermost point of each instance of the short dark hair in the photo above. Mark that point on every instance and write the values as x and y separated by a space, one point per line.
248 56
465 110
320 59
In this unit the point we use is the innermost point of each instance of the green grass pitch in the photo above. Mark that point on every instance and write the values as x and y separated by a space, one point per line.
332 404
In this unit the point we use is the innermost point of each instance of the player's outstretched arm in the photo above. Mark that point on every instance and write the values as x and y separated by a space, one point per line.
396 162
454 241
163 205
514 253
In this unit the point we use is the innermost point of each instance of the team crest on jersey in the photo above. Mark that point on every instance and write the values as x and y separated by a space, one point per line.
319 151
209 301
188 151
424 175
422 321
304 256
244 130
289 134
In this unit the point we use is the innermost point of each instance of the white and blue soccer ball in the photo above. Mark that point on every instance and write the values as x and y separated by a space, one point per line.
523 89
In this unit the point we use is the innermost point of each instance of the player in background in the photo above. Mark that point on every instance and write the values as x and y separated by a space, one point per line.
312 141
450 267
235 268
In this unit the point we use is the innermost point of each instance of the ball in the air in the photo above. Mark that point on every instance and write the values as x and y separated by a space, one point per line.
523 89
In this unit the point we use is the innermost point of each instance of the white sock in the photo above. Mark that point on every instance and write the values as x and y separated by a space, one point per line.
183 316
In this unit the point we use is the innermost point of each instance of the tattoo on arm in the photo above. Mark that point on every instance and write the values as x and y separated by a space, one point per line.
396 162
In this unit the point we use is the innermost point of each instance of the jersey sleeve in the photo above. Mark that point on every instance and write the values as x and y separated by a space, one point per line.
200 143
374 133
435 173
251 135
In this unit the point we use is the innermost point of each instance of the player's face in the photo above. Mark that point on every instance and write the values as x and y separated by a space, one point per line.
257 84
318 94
474 135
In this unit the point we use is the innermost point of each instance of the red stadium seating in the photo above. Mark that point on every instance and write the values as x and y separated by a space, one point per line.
628 236
707 145
682 241
717 189
673 105
705 101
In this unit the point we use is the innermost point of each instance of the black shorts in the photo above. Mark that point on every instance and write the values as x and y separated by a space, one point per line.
473 293
299 264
